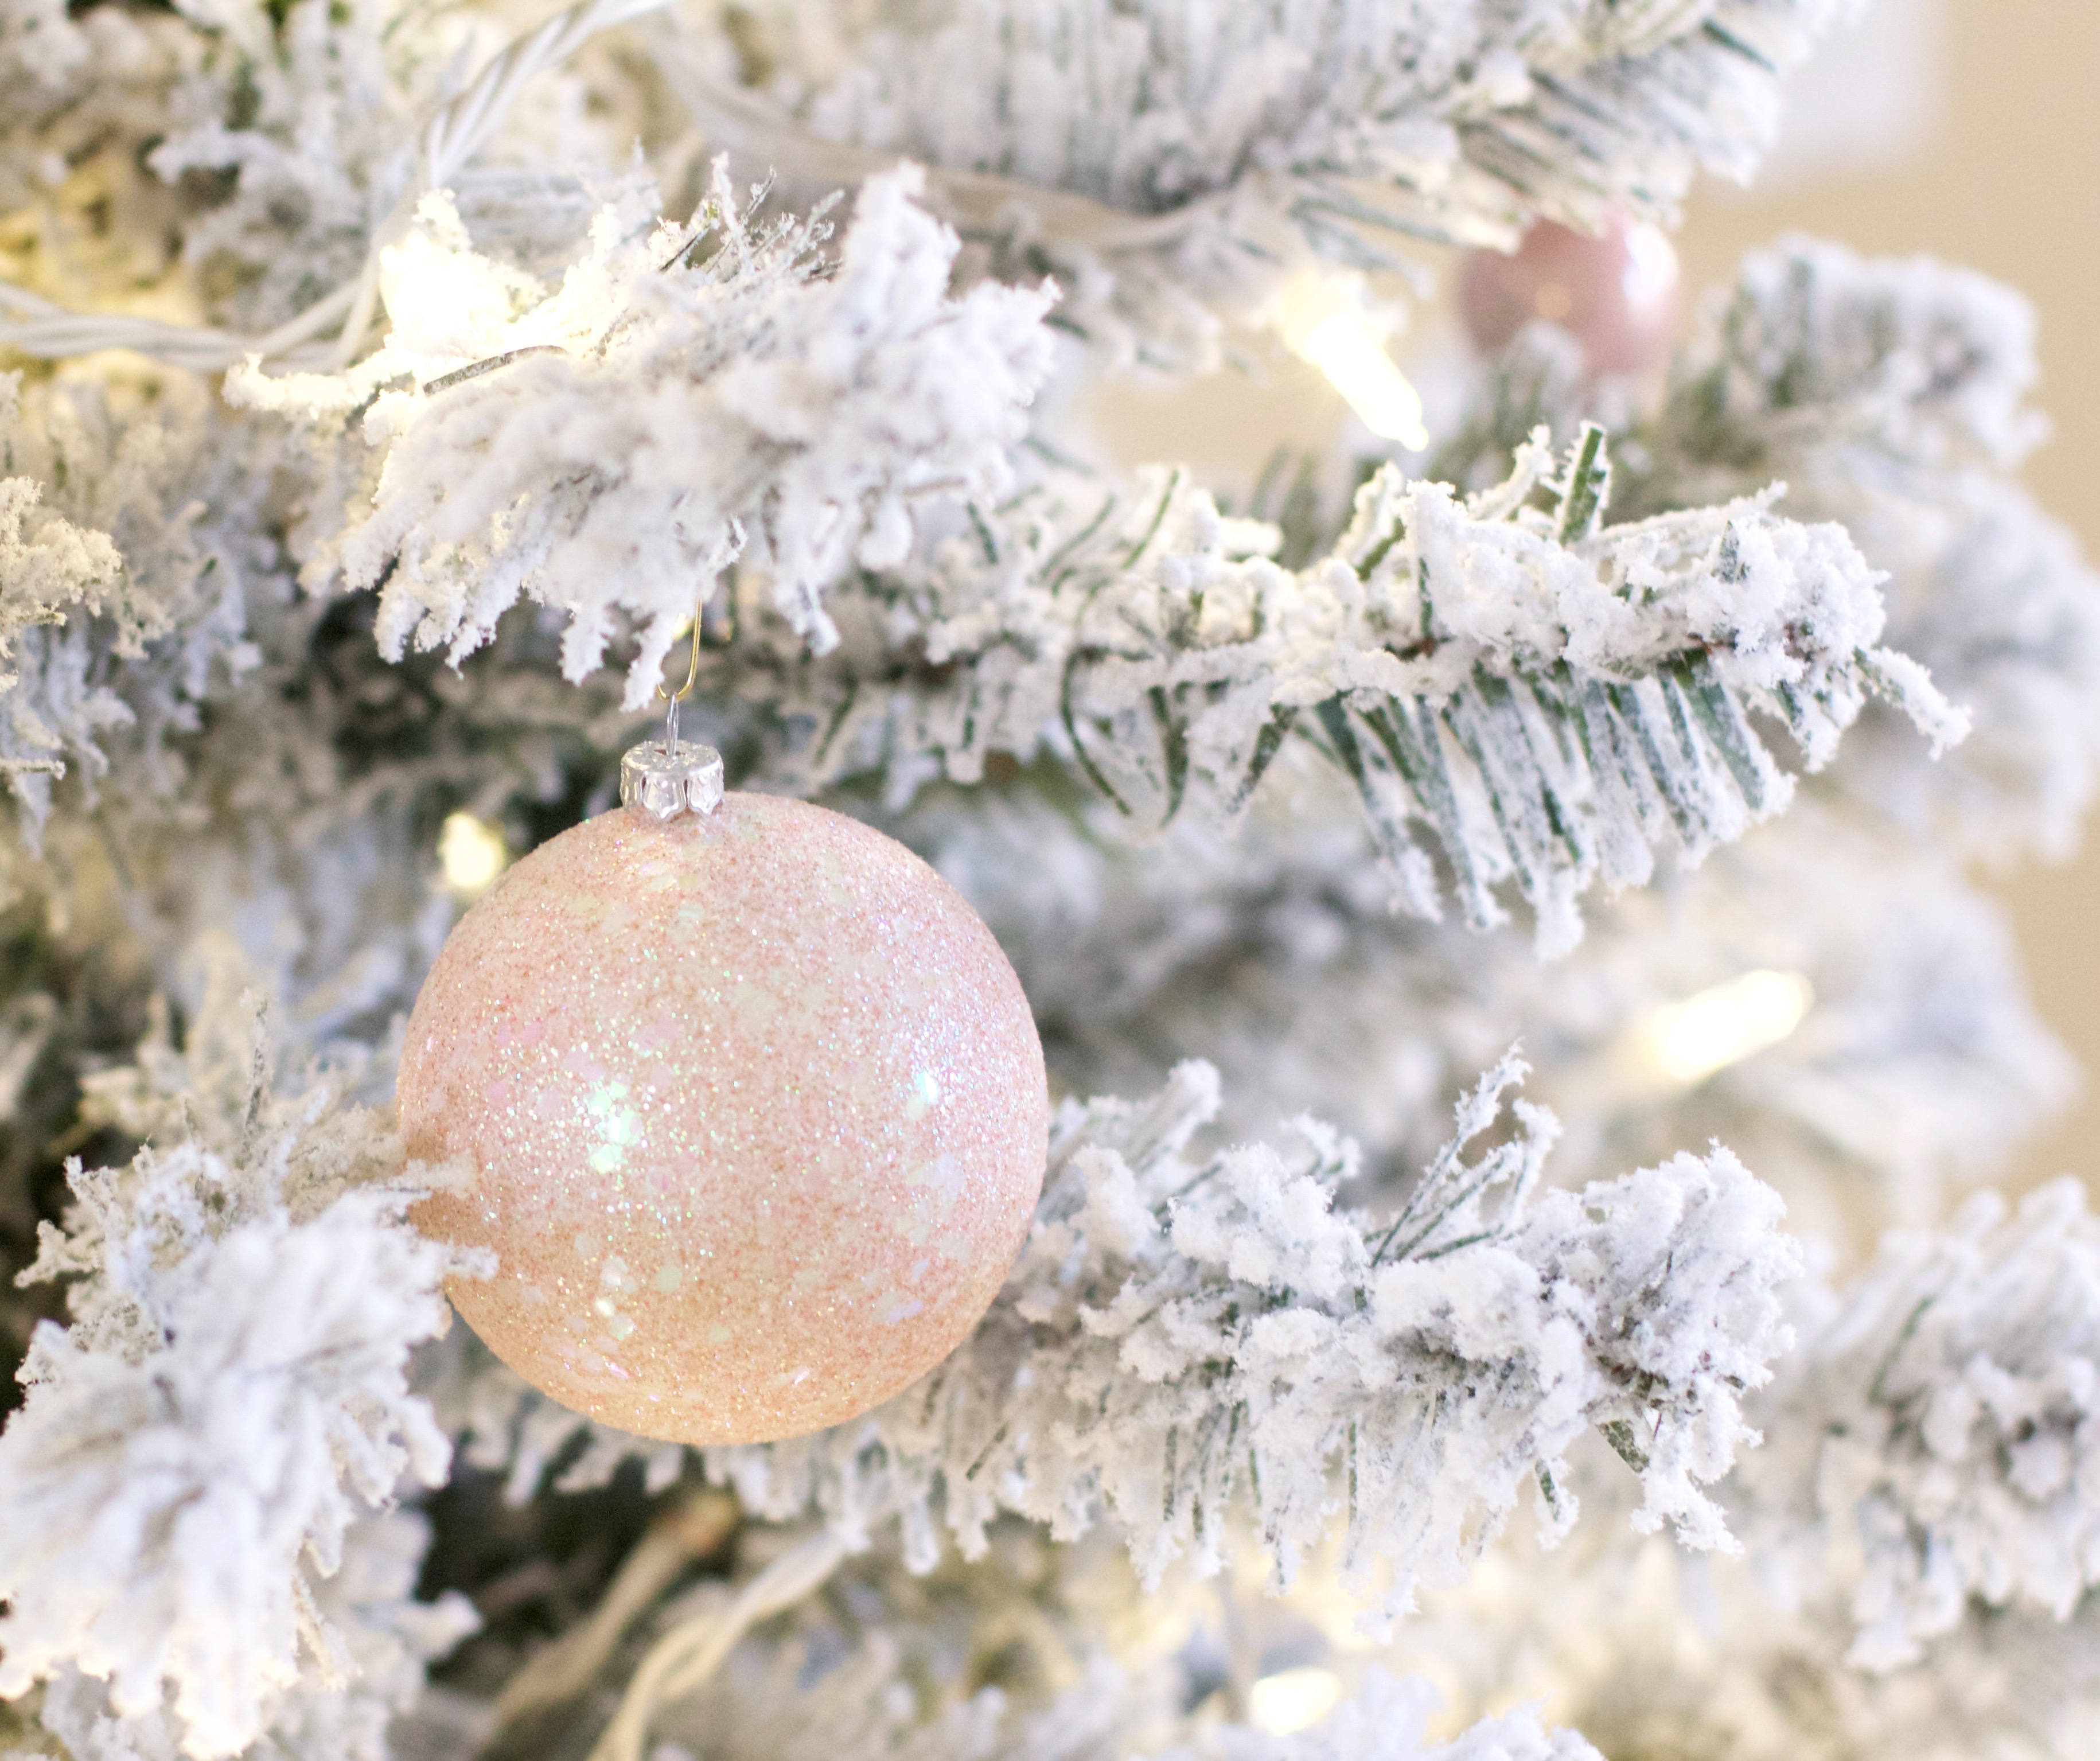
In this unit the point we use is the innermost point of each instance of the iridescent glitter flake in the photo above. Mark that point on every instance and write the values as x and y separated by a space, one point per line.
757 1111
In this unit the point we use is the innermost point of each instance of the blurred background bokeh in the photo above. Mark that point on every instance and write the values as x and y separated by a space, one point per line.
1965 129
1969 129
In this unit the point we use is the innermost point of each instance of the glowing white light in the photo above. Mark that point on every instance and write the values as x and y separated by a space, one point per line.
1325 322
1291 1699
1689 1040
471 853
1651 265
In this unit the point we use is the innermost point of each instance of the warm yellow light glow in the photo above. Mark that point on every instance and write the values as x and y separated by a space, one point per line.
1325 323
1292 1699
1689 1040
471 853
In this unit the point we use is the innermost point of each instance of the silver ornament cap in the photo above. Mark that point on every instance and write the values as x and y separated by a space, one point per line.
664 778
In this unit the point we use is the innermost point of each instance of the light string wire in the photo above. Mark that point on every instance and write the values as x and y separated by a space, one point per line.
35 326
681 1661
458 130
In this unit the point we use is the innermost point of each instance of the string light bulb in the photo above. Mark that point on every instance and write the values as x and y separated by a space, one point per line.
1292 1699
1325 320
472 853
1685 1043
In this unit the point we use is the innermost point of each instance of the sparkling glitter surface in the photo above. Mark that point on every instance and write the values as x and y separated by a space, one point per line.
758 1111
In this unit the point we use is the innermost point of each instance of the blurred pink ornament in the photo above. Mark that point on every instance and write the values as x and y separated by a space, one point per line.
1616 294
754 1110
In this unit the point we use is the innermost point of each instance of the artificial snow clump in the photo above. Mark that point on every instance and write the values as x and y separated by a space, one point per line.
687 397
194 1448
379 1639
1941 1428
120 607
1194 1348
95 518
48 565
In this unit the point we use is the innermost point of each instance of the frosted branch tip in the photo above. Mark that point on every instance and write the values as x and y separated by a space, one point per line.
664 781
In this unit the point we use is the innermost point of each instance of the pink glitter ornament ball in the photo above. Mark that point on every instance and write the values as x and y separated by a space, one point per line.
756 1110
1616 294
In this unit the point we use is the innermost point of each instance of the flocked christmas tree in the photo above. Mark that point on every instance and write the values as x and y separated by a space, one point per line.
386 384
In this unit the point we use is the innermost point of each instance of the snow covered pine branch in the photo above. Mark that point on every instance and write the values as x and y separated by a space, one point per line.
1550 698
200 1447
1218 1353
1196 1347
684 393
1190 1346
1172 165
1547 697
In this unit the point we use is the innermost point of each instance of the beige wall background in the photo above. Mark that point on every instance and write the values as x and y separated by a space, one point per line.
2002 175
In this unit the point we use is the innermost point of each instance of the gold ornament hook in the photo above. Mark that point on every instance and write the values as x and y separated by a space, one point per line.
671 700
